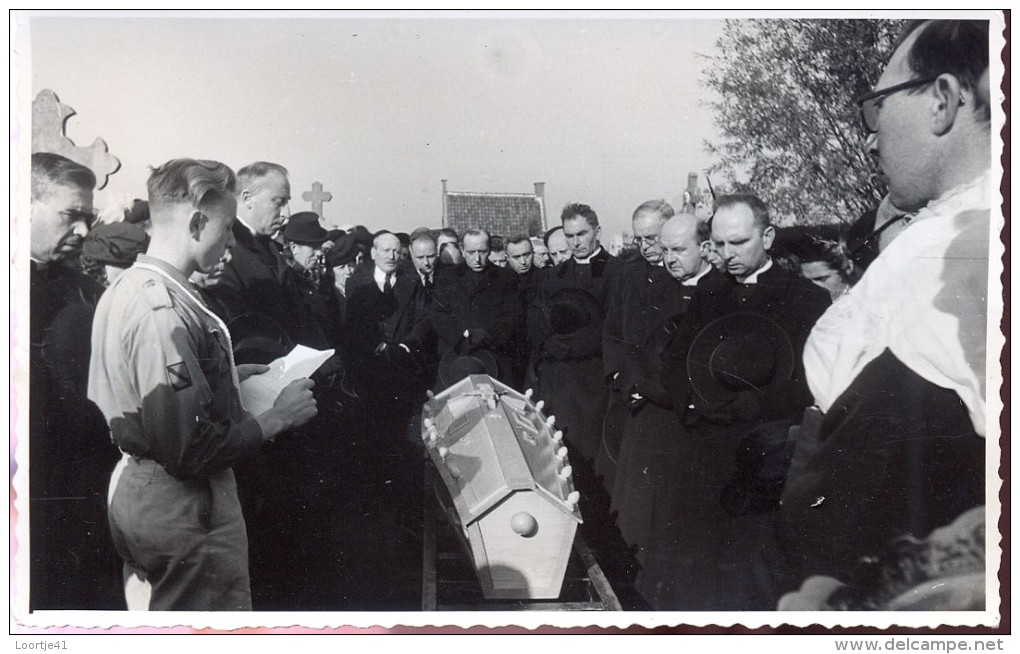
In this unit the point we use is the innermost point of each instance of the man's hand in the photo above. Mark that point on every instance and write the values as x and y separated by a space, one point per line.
246 370
294 406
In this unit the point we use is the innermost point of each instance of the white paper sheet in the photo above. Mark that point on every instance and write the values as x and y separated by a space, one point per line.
258 392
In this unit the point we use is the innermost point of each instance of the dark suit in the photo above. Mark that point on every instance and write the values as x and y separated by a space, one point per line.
374 317
283 488
74 563
257 280
792 302
724 561
387 377
488 305
568 367
643 302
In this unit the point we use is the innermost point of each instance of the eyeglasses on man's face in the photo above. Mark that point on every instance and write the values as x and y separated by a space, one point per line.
870 103
645 240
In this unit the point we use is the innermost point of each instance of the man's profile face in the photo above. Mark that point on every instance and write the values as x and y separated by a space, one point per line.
541 259
305 256
520 256
423 255
902 142
741 243
60 222
646 227
386 253
559 249
681 252
581 236
216 238
267 204
476 251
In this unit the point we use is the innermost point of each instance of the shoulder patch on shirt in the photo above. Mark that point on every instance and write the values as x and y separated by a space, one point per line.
156 295
178 376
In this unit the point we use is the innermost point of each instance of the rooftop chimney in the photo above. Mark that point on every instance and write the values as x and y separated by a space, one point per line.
540 194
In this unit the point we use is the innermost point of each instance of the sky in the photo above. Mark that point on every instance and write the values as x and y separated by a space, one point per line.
605 111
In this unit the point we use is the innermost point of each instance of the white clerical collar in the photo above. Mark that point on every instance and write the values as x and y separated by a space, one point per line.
693 281
590 256
380 278
753 277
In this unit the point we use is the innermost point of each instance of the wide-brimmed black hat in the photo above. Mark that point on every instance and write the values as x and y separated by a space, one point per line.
115 244
344 250
736 353
454 367
257 338
304 228
361 236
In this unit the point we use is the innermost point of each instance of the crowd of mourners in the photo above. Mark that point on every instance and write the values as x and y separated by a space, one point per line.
757 418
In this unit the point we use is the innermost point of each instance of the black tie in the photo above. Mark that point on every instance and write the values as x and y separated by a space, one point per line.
428 282
387 286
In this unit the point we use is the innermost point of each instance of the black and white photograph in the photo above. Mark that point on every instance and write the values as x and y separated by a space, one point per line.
381 321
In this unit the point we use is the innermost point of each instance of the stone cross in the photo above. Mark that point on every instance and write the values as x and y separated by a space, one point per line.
317 196
49 124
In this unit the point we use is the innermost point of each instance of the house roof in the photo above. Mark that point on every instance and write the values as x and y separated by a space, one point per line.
507 214
490 442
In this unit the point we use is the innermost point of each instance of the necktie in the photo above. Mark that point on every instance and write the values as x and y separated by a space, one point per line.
388 285
428 282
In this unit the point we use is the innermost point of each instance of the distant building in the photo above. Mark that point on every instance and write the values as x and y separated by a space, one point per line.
507 214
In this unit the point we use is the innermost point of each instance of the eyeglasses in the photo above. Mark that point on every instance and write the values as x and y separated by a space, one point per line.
870 103
645 240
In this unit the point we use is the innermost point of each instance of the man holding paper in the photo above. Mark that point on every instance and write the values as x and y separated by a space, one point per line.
163 374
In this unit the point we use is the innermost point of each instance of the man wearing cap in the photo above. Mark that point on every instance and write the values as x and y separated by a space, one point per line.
111 248
477 306
73 563
341 260
897 446
731 372
303 237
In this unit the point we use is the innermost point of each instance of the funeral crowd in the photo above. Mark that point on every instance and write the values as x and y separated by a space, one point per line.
754 422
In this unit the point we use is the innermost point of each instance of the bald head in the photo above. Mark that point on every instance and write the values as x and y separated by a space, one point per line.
681 240
386 252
